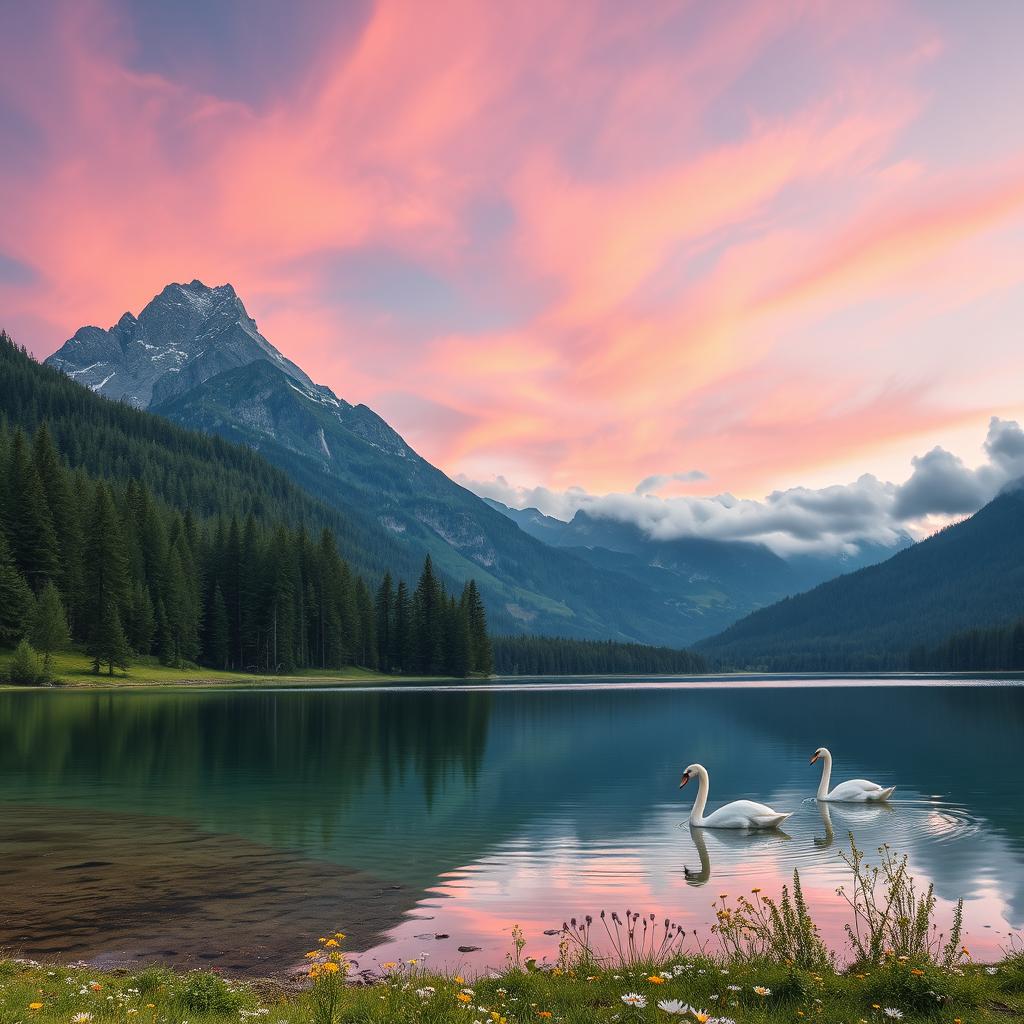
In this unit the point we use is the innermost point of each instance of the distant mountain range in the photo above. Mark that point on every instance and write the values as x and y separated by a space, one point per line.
968 576
194 356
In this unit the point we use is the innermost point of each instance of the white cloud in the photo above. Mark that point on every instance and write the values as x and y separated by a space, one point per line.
827 519
653 484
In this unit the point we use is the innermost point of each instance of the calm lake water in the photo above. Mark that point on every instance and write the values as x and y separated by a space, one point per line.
228 827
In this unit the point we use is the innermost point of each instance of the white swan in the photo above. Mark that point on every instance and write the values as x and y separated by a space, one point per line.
854 791
738 814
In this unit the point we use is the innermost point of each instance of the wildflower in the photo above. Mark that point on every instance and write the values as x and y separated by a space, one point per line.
991 970
892 1012
463 998
426 992
656 979
81 1018
735 988
700 1016
458 980
95 986
632 999
331 943
468 992
755 890
917 972
35 1006
760 990
674 1006
543 1013
389 965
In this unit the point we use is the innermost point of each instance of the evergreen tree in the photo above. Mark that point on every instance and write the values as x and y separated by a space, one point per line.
405 645
106 576
109 645
26 668
48 628
457 639
15 596
217 631
367 626
481 652
142 620
428 619
385 616
29 523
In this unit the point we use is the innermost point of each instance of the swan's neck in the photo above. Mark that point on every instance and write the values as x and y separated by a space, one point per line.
697 811
826 775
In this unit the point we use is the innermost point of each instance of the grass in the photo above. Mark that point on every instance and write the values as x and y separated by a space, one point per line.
578 993
73 668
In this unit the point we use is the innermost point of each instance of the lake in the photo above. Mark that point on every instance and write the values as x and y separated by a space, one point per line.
228 828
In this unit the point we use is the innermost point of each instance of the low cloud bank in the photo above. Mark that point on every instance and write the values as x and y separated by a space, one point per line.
842 517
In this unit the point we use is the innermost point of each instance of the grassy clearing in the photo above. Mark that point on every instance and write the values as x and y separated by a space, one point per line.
73 668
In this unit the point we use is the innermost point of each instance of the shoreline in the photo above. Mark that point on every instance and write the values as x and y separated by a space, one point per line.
367 679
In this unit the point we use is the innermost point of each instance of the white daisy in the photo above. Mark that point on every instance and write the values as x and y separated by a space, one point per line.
891 1011
674 1006
632 999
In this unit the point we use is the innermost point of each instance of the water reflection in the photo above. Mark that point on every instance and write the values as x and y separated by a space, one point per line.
461 813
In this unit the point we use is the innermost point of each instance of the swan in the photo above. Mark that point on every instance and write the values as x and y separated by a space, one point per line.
738 814
854 791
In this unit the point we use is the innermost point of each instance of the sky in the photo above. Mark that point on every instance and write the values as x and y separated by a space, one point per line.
657 257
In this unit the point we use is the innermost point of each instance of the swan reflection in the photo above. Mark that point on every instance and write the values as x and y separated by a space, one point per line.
723 841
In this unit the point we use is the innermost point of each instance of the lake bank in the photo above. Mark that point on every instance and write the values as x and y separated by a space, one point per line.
690 989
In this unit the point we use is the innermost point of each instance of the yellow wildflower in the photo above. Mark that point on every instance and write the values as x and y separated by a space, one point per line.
463 998
332 943
35 1006
655 980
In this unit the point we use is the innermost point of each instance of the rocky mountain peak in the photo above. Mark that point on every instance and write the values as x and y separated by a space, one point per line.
185 335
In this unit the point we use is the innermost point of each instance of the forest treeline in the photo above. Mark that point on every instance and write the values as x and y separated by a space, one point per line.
999 649
547 655
124 574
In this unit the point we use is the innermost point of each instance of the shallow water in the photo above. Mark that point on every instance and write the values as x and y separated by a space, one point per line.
227 827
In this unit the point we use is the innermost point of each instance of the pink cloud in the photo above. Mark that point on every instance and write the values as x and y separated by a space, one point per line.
698 238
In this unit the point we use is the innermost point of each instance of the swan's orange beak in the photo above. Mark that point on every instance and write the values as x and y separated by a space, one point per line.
685 779
815 758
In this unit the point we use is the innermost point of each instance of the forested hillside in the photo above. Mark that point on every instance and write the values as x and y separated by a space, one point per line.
969 576
137 537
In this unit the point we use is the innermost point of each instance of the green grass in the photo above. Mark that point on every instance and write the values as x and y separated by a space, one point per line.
580 995
73 668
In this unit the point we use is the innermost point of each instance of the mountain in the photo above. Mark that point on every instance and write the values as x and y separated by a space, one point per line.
968 576
185 335
195 357
714 582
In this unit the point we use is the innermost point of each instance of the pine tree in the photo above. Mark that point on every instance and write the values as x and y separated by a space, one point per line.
428 618
15 596
458 660
109 646
48 628
29 523
405 646
367 626
142 620
385 616
481 652
217 631
106 576
26 667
